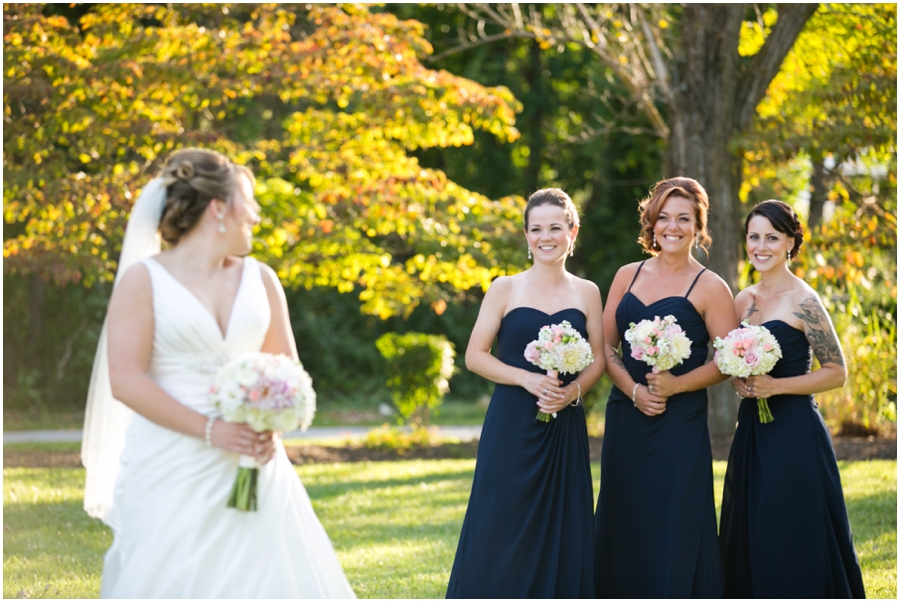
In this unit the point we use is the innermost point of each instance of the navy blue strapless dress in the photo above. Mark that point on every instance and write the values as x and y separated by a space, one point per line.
785 532
527 530
656 519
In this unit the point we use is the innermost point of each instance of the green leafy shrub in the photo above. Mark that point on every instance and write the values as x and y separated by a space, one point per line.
868 401
401 441
419 367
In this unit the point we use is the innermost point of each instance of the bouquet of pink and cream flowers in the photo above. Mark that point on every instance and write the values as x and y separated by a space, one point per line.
660 343
269 393
559 348
749 351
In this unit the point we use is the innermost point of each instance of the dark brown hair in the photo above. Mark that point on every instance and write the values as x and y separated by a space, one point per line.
782 218
652 205
553 196
193 177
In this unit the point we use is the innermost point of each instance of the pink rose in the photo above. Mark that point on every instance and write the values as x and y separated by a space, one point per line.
648 340
637 353
652 350
767 347
751 358
254 395
532 354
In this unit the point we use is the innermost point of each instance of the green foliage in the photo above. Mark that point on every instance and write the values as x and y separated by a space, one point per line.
325 102
401 441
869 398
419 367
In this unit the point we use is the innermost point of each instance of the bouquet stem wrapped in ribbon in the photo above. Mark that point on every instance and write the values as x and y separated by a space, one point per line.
269 393
559 348
749 351
660 343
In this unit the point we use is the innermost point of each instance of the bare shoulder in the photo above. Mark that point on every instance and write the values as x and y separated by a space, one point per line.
624 276
713 286
135 279
586 287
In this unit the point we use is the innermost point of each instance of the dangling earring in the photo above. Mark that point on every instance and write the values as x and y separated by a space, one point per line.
222 224
789 258
572 250
654 240
529 252
697 242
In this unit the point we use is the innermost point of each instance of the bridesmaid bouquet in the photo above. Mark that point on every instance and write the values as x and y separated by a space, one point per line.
559 348
269 393
749 351
660 343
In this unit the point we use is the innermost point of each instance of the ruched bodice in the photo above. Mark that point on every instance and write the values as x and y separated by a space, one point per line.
784 528
518 329
631 309
796 354
527 531
188 345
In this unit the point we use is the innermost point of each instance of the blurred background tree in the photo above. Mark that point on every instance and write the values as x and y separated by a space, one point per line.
377 190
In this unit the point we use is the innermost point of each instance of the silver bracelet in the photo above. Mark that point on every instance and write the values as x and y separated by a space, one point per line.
578 400
634 392
207 435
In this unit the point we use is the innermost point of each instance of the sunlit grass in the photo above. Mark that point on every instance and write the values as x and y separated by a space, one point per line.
394 525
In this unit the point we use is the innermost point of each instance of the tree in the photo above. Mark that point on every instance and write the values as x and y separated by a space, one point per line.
325 102
681 66
834 99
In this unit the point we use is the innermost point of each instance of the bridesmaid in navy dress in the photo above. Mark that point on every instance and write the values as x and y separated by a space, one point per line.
784 531
527 530
656 523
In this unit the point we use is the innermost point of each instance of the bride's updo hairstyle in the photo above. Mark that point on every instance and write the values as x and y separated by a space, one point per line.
782 218
650 207
193 177
553 196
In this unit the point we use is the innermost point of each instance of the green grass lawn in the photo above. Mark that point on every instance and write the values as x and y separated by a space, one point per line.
394 525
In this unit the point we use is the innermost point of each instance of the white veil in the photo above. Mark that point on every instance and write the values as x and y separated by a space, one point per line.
106 419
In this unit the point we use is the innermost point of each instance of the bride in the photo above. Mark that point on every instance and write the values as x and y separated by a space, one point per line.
160 464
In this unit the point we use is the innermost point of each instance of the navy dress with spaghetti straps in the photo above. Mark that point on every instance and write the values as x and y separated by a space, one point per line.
655 528
785 531
527 530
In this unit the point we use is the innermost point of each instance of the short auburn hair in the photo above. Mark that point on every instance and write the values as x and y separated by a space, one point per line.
650 207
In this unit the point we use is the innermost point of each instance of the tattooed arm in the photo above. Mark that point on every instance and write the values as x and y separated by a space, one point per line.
825 345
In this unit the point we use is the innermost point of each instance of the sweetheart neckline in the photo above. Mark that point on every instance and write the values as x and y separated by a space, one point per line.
549 315
638 299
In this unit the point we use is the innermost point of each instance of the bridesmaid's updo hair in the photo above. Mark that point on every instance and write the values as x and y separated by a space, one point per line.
553 196
193 177
651 206
782 218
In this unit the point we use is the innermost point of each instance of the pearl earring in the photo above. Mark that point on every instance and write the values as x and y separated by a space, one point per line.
529 252
572 250
654 240
221 224
789 258
697 242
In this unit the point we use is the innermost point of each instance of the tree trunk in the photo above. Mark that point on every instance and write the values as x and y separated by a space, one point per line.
36 319
534 121
817 194
702 127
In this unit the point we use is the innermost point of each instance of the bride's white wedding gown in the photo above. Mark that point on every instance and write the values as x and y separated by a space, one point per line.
173 535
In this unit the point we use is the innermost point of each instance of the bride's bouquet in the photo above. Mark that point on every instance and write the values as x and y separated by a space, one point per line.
660 343
269 393
559 348
749 351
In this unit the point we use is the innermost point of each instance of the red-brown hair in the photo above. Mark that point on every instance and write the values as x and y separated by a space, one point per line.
659 194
